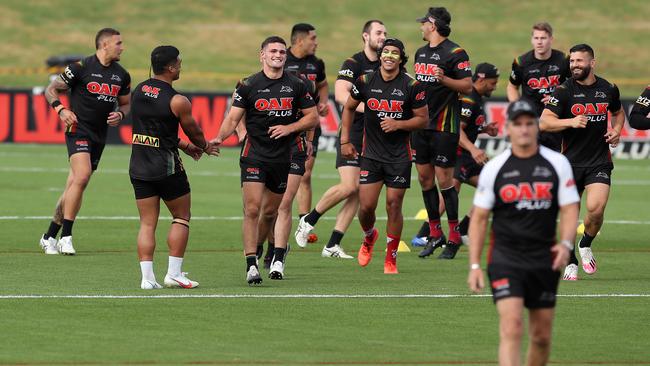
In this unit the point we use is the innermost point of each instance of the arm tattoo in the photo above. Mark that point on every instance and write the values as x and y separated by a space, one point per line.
52 90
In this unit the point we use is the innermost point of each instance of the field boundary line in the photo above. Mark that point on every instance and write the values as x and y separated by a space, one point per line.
299 296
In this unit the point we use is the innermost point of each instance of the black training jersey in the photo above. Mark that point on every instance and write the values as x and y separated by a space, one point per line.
351 69
525 196
585 147
312 67
640 114
539 78
299 142
394 99
472 116
154 149
94 89
444 103
270 102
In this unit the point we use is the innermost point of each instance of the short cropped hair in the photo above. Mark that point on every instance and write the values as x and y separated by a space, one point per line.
103 33
272 39
299 30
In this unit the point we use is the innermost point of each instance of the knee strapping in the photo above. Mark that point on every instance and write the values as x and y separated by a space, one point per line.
181 221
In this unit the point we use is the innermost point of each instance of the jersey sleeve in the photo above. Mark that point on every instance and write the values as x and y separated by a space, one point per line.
349 71
304 98
484 196
240 96
516 76
640 114
460 66
126 85
358 89
418 95
558 100
72 74
615 99
320 76
467 109
567 191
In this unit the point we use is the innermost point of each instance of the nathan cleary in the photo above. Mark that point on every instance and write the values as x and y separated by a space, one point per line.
395 104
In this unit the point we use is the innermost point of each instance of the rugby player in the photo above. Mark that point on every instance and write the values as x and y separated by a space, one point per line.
640 114
524 188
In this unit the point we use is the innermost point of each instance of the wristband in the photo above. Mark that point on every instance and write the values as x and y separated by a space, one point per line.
475 266
567 243
60 110
55 104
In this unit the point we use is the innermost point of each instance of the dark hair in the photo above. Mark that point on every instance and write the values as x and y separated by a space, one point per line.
442 20
103 33
582 47
403 57
543 26
368 25
163 56
272 39
299 30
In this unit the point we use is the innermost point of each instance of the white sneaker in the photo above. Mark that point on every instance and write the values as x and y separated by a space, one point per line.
253 276
465 239
335 252
302 232
277 270
64 245
571 272
588 260
179 281
149 285
49 245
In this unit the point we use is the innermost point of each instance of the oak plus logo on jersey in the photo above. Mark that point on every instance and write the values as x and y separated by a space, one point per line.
150 91
465 65
276 107
544 84
106 92
425 72
386 108
528 196
595 112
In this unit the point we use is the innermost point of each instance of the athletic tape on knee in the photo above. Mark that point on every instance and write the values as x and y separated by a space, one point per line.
180 221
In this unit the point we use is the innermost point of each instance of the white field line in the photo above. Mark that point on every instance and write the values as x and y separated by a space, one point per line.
300 296
239 218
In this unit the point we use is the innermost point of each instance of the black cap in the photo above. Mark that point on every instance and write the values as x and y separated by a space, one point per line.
395 43
439 14
485 70
521 107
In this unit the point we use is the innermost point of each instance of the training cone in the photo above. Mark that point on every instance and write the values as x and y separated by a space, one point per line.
402 247
422 215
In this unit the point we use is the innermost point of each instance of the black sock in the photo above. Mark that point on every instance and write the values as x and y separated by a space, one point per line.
270 247
573 259
586 240
279 254
67 228
312 217
251 260
335 238
301 215
432 203
450 195
53 230
260 250
424 230
463 226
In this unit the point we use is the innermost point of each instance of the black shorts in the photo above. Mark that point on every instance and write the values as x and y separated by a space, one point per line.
552 140
435 147
394 175
297 166
78 142
466 168
317 133
585 176
273 175
169 188
341 161
537 286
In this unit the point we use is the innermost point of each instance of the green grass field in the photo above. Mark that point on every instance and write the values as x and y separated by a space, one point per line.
326 312
219 40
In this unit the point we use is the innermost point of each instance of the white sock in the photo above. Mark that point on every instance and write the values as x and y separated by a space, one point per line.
174 267
146 267
369 232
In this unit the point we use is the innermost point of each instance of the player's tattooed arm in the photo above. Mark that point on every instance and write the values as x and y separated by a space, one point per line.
182 108
614 134
479 155
124 103
52 95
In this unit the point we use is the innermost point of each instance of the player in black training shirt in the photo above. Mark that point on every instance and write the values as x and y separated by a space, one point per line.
579 110
470 159
395 104
96 84
366 61
156 169
524 188
640 114
269 100
444 68
301 59
538 72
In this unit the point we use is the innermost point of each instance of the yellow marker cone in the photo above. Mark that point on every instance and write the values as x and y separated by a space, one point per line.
402 247
581 229
422 215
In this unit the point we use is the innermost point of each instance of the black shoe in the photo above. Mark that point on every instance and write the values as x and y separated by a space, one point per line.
450 251
432 245
260 251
